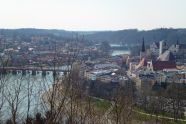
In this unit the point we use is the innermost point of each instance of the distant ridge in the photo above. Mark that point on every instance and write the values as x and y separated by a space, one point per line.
134 36
128 36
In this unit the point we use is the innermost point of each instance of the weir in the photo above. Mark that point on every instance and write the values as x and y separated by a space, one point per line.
65 73
23 72
14 72
3 71
33 72
8 71
54 73
44 73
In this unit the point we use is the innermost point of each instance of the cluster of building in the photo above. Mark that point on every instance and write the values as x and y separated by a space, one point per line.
166 67
103 70
26 50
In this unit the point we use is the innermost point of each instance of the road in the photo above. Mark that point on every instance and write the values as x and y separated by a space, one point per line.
159 116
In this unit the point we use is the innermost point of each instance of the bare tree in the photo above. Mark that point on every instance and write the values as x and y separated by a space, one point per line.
124 100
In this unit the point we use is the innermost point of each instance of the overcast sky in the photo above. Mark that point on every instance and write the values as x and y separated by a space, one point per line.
92 15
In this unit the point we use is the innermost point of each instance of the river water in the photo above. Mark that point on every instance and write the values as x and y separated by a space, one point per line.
18 90
119 52
114 53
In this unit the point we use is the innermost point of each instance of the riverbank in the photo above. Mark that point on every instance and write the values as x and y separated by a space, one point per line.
53 95
79 107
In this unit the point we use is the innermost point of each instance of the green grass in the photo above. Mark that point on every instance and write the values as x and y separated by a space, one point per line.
142 117
172 122
139 110
104 105
148 118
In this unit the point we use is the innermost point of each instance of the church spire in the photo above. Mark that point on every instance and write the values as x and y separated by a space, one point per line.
143 46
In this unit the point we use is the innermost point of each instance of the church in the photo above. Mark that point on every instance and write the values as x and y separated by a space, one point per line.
158 48
180 47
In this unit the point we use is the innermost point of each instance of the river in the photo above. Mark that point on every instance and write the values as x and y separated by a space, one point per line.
119 52
114 53
18 90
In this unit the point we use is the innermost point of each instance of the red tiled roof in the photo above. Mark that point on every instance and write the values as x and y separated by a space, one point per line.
88 70
160 65
142 63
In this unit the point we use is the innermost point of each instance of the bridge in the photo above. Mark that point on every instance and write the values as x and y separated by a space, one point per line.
5 70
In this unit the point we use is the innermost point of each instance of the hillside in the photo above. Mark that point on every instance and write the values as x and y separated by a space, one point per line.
38 32
134 36
129 36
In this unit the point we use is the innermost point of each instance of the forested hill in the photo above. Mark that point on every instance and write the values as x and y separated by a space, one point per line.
134 36
38 32
130 36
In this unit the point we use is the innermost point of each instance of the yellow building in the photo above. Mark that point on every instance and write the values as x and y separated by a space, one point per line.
145 83
104 78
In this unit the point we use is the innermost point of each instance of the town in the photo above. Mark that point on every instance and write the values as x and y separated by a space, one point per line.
156 74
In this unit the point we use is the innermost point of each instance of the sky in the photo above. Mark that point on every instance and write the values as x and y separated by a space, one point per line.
92 15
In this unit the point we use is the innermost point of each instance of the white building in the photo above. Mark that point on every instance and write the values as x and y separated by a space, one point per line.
158 48
163 46
154 49
94 74
159 77
109 65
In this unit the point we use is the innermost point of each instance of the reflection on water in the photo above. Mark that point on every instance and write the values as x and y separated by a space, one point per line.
16 91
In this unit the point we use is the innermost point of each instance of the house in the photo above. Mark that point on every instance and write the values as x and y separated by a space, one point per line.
87 73
117 59
106 65
160 77
133 65
154 49
132 58
145 82
93 75
104 78
158 48
171 76
124 81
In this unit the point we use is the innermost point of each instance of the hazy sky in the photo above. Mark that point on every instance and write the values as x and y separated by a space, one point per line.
86 15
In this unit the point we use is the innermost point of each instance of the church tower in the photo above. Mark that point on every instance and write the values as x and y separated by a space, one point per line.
142 52
163 46
177 46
